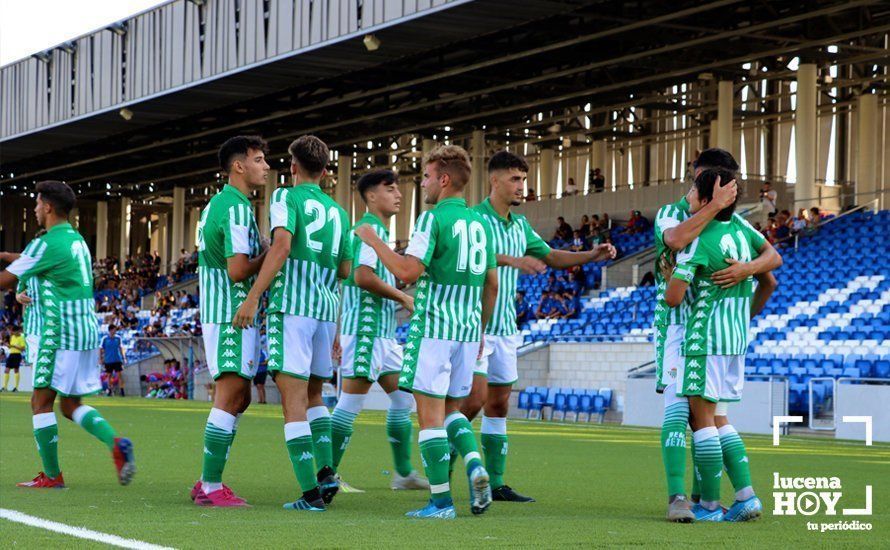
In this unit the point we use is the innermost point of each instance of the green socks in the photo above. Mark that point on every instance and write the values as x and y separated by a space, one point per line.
218 436
696 487
494 445
89 419
735 460
320 423
460 433
46 434
673 446
435 456
341 430
708 465
398 430
298 436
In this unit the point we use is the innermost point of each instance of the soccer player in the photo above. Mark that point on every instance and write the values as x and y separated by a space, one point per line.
451 257
370 350
310 251
518 248
676 225
14 358
714 347
111 354
59 262
229 256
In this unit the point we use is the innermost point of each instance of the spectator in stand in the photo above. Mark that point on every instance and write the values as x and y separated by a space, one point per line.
783 225
530 196
578 242
799 222
547 307
113 357
598 182
768 197
523 313
631 226
605 223
571 189
563 231
584 228
814 220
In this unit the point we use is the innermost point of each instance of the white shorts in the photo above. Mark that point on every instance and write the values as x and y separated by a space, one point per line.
69 373
300 346
445 368
672 354
712 377
670 395
230 349
32 343
498 361
382 355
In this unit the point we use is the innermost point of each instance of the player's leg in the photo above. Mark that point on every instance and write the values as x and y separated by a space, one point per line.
120 379
460 431
398 422
350 404
669 358
747 506
46 435
427 374
699 380
5 378
225 348
291 374
322 370
16 376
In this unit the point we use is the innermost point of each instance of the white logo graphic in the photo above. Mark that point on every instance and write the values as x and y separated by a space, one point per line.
693 387
306 456
809 496
695 347
696 336
693 376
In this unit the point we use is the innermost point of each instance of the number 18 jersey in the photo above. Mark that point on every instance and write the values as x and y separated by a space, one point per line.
59 266
307 283
456 246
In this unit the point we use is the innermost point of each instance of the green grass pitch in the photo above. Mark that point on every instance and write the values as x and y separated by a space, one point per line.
595 485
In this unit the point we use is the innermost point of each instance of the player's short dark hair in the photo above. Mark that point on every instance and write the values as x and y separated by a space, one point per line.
374 178
704 183
505 160
310 153
239 146
58 194
716 158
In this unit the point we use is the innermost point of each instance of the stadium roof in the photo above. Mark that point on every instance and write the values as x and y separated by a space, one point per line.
501 65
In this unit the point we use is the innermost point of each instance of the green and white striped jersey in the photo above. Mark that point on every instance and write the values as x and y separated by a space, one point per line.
718 319
668 216
227 227
515 237
57 266
366 313
307 283
32 316
456 246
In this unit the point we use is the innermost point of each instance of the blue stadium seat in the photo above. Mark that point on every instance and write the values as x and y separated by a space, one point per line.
560 404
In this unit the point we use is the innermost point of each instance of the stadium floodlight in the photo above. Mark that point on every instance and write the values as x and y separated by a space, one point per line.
372 43
125 113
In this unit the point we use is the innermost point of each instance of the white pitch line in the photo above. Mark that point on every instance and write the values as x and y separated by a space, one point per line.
79 532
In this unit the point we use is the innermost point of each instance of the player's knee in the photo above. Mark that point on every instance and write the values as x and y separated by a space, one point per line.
471 407
68 406
40 404
400 399
497 408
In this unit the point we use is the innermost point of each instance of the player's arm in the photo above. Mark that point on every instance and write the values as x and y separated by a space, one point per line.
122 352
8 281
564 259
407 268
9 257
275 258
241 266
768 260
366 279
679 236
688 262
675 292
526 264
766 285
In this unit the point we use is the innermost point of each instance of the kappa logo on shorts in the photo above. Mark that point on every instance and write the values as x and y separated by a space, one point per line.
273 341
366 328
693 376
50 332
367 319
228 353
696 336
365 340
273 330
230 330
41 380
50 342
693 387
367 309
43 370
410 345
229 365
44 359
694 363
229 342
695 347
368 300
364 349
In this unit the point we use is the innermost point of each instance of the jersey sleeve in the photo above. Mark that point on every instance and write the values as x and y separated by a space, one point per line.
423 241
689 261
665 219
367 255
755 238
491 259
535 245
236 231
346 237
279 213
34 260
